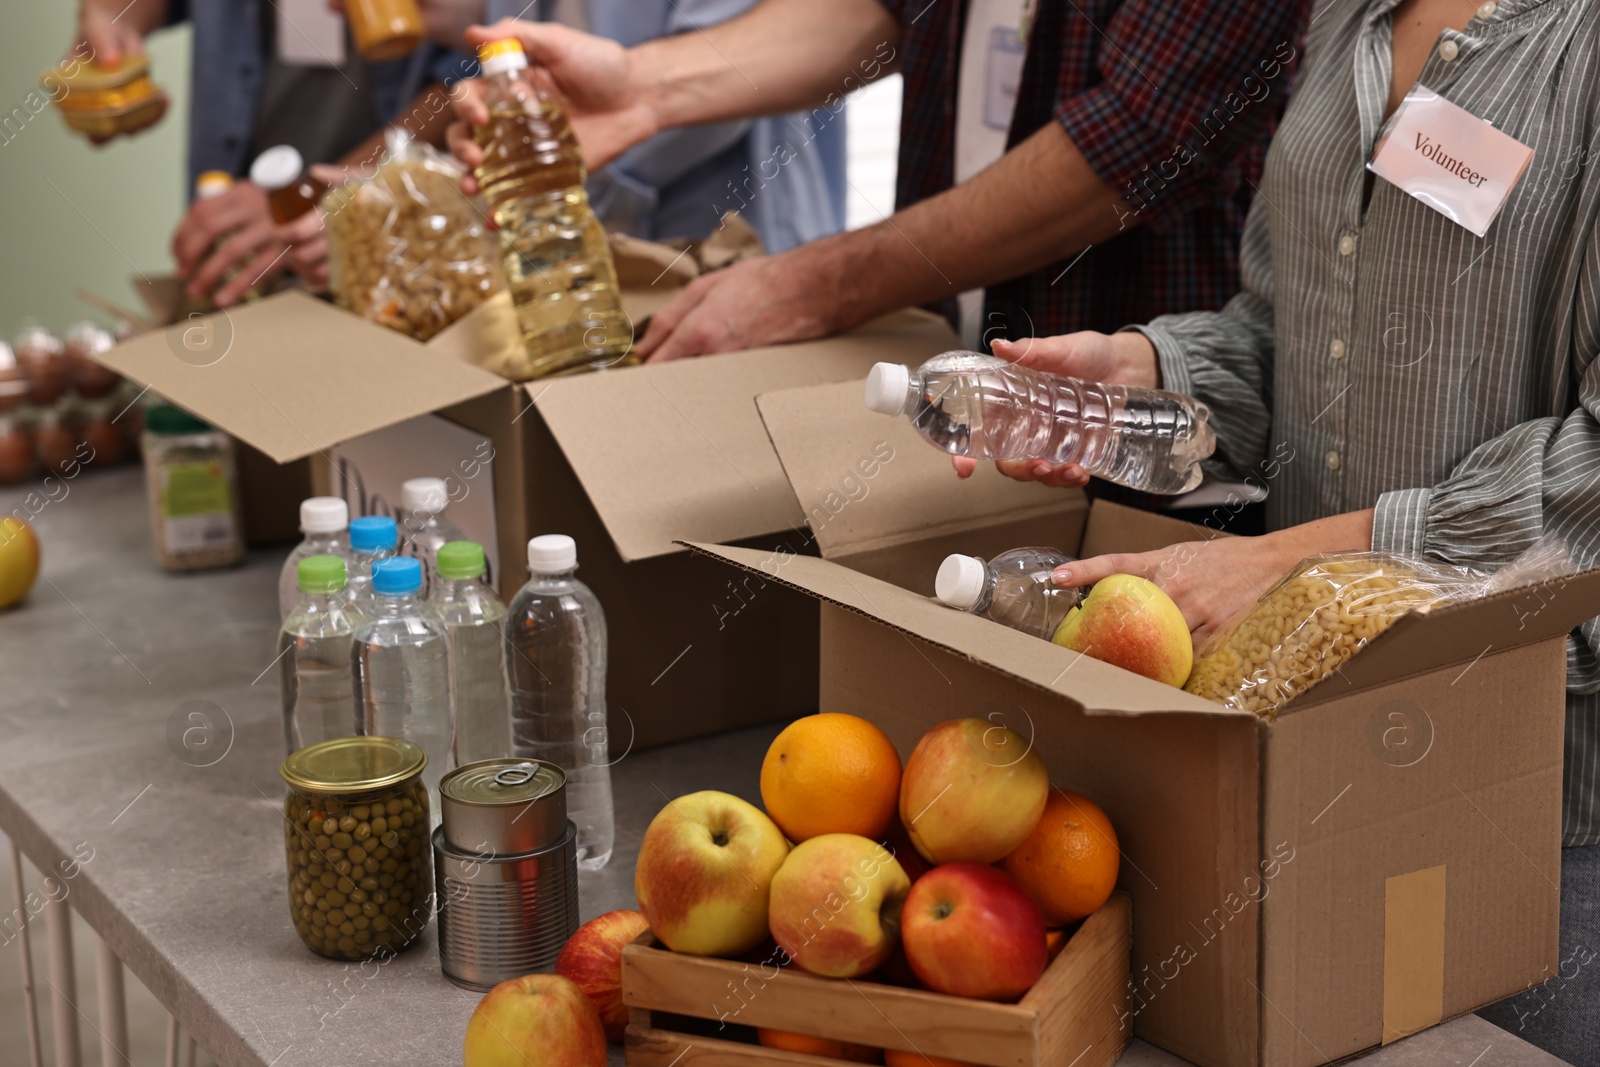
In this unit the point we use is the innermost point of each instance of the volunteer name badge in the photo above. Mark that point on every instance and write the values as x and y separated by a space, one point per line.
1450 159
1002 75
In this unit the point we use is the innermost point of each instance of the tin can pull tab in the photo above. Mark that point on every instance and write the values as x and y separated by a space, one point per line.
521 774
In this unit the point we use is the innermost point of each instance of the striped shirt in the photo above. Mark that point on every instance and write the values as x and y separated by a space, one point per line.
1382 356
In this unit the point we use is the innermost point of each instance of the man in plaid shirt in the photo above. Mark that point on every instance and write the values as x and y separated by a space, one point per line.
1089 161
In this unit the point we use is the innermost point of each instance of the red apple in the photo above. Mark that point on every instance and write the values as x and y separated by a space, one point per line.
593 959
542 1019
972 931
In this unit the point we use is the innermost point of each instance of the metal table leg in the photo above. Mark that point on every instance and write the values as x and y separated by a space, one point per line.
63 982
113 1006
29 998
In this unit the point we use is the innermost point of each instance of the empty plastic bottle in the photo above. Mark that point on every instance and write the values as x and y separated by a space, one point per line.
400 669
970 404
424 529
314 656
473 617
558 262
323 519
372 537
1013 589
556 659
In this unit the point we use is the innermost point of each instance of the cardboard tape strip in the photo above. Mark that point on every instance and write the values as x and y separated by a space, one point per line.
1413 952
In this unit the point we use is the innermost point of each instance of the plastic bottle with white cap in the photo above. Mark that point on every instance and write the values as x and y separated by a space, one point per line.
970 404
324 520
1013 589
424 529
556 661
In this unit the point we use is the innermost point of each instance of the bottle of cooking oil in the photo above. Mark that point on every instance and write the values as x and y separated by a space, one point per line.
556 256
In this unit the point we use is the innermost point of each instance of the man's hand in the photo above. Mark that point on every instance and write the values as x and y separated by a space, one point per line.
115 29
251 244
594 79
307 236
1213 581
1115 359
762 301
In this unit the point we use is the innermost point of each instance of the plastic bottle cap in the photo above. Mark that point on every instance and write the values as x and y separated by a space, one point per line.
887 387
460 559
170 420
959 582
424 495
320 574
324 514
552 554
397 576
212 183
372 533
502 56
277 167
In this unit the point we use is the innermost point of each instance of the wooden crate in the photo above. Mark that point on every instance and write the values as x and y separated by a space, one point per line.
1077 1013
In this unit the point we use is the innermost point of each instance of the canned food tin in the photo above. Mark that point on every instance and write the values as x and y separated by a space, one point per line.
502 917
503 806
355 828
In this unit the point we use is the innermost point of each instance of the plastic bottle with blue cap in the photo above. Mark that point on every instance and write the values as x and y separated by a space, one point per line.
401 669
372 538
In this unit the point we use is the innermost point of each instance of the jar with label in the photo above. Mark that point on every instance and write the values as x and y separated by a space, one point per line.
355 831
101 102
291 191
385 29
193 486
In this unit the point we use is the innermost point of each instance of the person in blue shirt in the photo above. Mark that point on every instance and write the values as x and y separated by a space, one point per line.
261 76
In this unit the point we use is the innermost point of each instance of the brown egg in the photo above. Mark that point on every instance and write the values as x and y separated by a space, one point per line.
16 452
85 340
41 354
14 384
56 443
104 436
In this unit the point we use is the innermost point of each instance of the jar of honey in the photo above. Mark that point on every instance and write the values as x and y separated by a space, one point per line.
384 29
101 102
291 190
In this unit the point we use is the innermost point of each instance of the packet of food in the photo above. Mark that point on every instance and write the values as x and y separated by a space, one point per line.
1329 607
406 248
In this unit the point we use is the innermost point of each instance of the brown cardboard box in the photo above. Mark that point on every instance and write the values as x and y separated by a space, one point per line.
1383 856
623 460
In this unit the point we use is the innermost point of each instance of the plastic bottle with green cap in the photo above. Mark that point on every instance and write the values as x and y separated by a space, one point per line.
473 616
314 656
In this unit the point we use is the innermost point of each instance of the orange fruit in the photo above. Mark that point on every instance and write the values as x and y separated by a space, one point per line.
817 1046
1069 862
893 1057
831 774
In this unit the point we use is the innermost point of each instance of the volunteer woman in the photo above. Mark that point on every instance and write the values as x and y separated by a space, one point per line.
1402 384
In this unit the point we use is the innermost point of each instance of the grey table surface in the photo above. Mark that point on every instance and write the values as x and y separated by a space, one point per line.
175 819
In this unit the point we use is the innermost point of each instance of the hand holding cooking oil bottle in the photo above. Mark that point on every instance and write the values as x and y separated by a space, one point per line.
557 260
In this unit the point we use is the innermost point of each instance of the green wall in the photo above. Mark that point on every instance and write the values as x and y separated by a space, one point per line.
72 215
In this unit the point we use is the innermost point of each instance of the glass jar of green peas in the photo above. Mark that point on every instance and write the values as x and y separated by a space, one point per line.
355 831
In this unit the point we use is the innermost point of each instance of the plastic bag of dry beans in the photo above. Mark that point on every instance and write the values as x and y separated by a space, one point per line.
406 248
1329 607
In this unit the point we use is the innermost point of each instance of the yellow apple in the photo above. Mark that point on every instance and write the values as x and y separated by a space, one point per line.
704 869
540 1019
836 905
1130 622
19 560
972 790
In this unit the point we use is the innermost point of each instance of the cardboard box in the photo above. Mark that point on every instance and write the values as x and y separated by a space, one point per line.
623 460
1385 855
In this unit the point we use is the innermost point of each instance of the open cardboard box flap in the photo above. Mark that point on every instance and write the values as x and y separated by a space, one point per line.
1095 686
266 386
679 450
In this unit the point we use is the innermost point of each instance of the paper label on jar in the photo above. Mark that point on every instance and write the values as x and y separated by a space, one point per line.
1450 159
196 506
309 34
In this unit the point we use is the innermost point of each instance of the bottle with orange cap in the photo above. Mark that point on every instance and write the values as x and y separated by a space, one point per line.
557 259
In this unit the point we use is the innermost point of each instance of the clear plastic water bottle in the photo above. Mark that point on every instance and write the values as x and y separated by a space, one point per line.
372 537
400 667
970 404
314 656
473 617
556 659
424 529
323 519
1013 589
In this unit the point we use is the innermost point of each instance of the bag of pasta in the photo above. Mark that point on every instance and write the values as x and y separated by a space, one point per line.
1329 608
406 248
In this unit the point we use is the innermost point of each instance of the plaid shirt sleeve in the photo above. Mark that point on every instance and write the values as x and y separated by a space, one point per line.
1185 92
